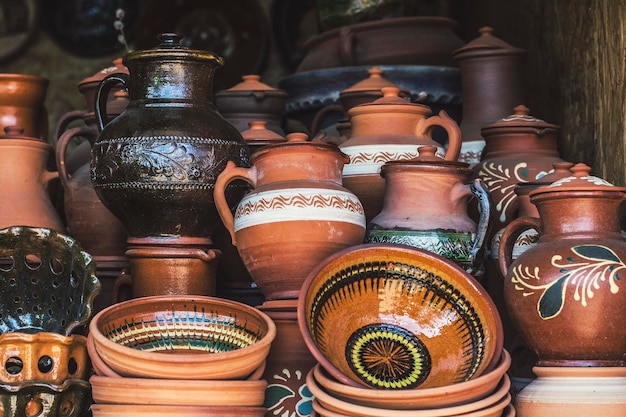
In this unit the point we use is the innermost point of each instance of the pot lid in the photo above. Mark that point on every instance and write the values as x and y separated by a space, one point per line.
375 82
116 68
171 48
251 82
520 119
391 97
259 133
581 180
427 156
17 132
299 139
486 44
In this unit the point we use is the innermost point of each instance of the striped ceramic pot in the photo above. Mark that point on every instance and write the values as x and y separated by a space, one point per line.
297 214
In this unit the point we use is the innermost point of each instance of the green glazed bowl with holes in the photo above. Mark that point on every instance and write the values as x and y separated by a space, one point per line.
72 398
48 282
182 337
390 316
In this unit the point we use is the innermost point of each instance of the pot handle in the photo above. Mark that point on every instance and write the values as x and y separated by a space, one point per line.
322 113
426 126
103 95
61 149
228 175
480 190
507 242
347 40
65 120
123 285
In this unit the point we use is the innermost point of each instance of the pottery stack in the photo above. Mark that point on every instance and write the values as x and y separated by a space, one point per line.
49 285
179 355
563 296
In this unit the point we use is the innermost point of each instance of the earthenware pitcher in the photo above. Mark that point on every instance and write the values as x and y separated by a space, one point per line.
24 180
425 206
390 129
564 294
298 213
154 166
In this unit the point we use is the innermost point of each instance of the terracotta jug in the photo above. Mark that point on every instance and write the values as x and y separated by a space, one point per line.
297 214
22 104
492 83
518 148
24 180
563 295
425 206
154 165
389 129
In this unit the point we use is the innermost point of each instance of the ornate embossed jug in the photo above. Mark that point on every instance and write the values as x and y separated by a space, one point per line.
565 295
155 165
298 213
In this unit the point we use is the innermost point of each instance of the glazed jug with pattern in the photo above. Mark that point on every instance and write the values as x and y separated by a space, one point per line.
425 206
388 129
297 213
564 294
155 165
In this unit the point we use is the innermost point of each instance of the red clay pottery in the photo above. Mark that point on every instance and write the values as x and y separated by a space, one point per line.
518 148
492 84
24 180
575 392
439 223
390 129
22 104
288 362
563 294
155 164
252 100
297 214
419 40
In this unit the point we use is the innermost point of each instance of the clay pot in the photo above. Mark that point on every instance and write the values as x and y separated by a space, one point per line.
43 357
22 104
439 223
563 293
420 40
492 84
389 129
288 362
164 270
151 410
154 165
297 214
518 148
575 392
252 100
24 180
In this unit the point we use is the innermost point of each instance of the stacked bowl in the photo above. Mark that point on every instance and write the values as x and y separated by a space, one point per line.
179 355
399 331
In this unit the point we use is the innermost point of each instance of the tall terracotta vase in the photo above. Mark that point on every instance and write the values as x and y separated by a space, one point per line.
297 214
154 166
389 129
492 84
22 104
564 294
24 180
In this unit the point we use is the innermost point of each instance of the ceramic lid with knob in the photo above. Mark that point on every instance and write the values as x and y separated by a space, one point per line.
390 101
252 82
428 158
520 121
375 82
17 132
300 140
170 48
486 45
258 134
581 180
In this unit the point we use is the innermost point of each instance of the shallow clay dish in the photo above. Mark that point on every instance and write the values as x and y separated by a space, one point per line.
331 403
416 399
118 410
107 390
396 317
182 337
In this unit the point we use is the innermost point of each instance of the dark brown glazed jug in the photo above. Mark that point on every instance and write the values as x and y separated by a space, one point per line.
155 165
565 294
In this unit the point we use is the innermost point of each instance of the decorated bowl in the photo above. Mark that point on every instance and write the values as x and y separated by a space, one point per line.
396 317
417 399
43 357
182 337
48 282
